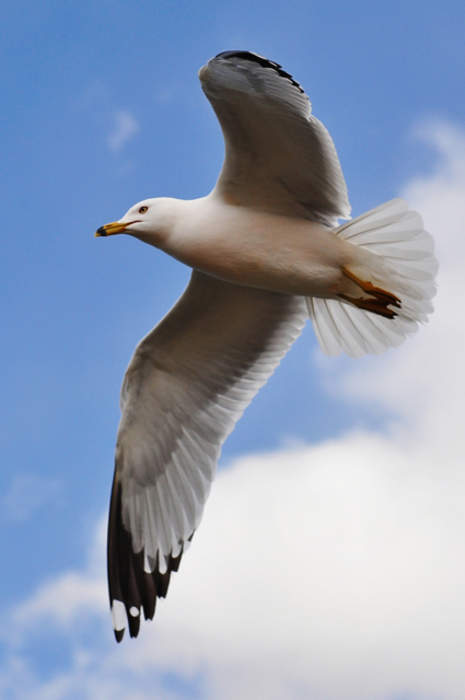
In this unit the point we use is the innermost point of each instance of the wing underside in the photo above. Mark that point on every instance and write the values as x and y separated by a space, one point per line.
189 381
278 156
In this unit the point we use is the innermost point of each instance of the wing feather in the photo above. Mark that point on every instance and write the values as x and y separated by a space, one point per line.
278 156
187 384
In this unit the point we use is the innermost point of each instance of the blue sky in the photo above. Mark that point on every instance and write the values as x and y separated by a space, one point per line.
102 107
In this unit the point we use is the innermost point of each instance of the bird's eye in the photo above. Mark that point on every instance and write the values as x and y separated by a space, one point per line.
143 209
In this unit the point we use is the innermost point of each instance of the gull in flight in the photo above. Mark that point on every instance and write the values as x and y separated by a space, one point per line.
267 253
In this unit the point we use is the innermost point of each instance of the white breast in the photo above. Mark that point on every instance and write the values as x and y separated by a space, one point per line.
258 249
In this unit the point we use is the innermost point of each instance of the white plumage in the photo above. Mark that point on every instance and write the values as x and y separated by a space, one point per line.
266 253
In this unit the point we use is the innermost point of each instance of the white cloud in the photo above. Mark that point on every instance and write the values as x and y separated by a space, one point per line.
334 571
62 600
329 572
66 599
125 127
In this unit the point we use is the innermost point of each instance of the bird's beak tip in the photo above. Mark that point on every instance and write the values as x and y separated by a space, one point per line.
114 227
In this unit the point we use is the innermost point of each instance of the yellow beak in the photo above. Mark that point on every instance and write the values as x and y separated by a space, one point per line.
110 229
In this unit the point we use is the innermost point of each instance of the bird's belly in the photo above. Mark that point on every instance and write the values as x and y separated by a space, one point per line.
281 273
298 257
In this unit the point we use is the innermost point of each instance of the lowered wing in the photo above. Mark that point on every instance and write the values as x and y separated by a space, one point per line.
187 384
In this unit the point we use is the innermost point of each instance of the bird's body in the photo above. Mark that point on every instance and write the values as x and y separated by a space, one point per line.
267 253
254 248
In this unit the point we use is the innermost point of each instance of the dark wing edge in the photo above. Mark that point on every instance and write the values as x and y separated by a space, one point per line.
127 579
262 61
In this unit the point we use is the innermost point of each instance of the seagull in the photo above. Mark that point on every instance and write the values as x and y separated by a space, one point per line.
267 252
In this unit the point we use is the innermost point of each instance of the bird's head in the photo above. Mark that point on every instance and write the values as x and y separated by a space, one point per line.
150 220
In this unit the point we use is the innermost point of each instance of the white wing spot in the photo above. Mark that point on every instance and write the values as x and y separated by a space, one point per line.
118 612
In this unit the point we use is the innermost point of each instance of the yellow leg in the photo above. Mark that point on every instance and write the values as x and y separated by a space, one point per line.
380 298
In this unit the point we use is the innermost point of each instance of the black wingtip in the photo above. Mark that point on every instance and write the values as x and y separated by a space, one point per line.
128 581
262 61
149 606
119 634
134 623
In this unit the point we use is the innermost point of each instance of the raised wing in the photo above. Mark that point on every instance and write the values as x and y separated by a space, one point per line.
278 157
187 384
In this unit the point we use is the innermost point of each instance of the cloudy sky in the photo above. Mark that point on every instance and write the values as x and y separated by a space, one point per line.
330 561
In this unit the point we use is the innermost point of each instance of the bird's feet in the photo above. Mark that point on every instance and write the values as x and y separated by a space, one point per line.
380 299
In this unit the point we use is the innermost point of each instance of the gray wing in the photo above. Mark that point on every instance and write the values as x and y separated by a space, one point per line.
278 157
187 384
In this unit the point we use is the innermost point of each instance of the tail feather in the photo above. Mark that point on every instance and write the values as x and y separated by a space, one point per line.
397 257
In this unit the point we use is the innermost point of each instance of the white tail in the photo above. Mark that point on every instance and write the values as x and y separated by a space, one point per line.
397 257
